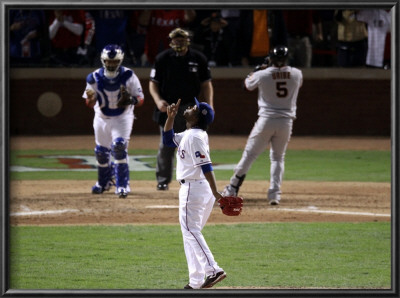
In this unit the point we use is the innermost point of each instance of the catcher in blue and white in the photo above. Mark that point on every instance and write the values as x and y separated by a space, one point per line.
113 91
198 191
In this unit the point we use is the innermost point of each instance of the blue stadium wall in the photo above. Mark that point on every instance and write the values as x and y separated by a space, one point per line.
331 102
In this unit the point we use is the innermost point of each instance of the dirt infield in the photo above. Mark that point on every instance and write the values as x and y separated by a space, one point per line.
60 202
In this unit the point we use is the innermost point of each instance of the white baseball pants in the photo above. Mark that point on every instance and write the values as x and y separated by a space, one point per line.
196 202
108 129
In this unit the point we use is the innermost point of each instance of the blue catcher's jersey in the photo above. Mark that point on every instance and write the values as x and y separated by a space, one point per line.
108 90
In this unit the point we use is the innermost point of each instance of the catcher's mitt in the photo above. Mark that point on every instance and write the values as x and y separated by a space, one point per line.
126 99
231 206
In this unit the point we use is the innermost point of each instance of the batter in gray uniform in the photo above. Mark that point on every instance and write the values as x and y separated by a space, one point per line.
278 86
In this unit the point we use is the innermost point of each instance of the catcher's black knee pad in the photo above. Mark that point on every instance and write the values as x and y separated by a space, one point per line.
102 154
119 148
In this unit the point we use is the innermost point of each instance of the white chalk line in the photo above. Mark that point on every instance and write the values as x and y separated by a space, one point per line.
43 212
162 207
313 210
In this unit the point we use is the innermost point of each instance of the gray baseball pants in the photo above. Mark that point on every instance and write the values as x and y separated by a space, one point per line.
275 132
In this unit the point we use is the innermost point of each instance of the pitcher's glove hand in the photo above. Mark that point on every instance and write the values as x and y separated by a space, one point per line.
231 206
126 99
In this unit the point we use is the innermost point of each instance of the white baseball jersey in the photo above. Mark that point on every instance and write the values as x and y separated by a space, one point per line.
277 90
108 91
193 152
111 122
378 21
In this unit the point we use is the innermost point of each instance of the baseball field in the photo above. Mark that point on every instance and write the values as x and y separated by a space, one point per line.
332 229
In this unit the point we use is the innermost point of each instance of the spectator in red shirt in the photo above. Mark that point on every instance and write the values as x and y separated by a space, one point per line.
158 24
65 32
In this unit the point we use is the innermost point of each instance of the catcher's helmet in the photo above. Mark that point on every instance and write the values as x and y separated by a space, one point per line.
113 53
179 45
279 55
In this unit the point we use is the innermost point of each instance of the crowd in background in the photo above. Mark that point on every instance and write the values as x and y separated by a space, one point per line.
228 37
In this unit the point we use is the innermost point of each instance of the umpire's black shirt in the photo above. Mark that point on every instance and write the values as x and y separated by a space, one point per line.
179 77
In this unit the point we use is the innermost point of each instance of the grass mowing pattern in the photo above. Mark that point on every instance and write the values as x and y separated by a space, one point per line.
288 255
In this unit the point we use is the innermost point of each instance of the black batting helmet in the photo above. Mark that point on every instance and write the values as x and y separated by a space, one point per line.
279 55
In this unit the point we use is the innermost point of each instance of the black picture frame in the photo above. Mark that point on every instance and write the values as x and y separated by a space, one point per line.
5 5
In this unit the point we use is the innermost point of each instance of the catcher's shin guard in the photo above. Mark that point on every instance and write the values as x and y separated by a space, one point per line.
121 175
104 171
119 152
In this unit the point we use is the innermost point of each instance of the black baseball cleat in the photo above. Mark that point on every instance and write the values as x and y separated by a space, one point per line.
122 193
211 280
162 186
187 287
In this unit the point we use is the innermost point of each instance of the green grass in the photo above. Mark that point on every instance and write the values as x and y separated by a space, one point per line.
311 165
288 255
283 255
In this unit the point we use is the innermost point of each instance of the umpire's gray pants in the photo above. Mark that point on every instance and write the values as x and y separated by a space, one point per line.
165 162
166 155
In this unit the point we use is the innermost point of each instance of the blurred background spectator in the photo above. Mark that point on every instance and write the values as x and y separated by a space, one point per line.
158 24
136 37
214 40
254 37
324 50
27 30
66 29
260 30
304 29
378 25
110 28
232 17
86 50
352 39
228 37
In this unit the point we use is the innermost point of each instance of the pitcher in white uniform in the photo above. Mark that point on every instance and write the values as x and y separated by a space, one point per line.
198 190
278 87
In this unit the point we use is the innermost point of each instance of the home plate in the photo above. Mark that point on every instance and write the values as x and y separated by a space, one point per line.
162 207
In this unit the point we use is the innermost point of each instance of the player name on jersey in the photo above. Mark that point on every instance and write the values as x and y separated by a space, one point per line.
281 75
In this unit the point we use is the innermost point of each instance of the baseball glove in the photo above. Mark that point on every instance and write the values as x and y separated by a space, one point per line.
126 99
231 206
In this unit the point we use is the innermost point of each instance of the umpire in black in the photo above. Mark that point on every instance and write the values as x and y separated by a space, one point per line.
178 72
